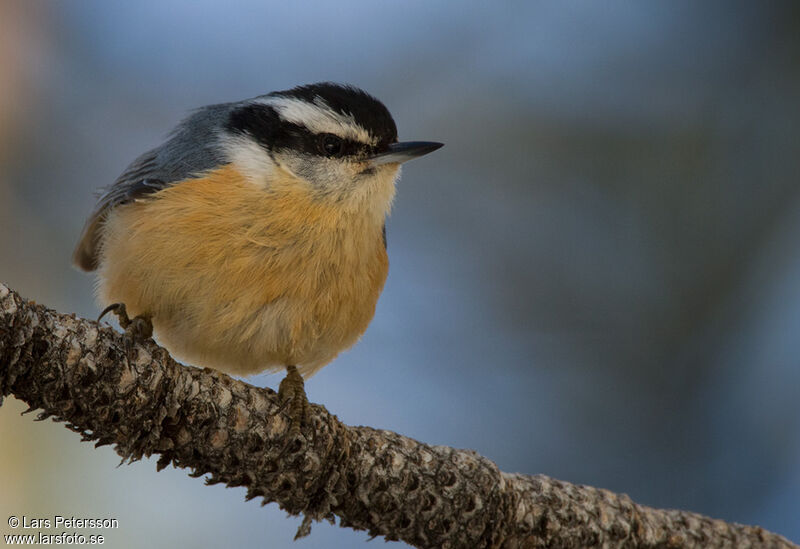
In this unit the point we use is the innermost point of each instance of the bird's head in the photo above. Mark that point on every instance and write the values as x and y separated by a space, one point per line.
338 142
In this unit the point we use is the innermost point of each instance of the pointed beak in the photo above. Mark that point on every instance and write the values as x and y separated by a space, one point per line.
398 153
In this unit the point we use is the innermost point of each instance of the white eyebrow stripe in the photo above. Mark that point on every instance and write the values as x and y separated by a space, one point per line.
318 117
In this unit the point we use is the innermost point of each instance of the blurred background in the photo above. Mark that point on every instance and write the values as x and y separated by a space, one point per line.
598 278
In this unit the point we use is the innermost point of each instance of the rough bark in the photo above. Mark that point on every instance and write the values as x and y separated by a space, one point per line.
141 401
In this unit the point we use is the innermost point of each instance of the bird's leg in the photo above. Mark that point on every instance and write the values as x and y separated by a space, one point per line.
292 389
140 328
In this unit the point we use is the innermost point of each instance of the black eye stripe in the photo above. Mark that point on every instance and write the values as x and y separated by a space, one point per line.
347 147
263 124
350 147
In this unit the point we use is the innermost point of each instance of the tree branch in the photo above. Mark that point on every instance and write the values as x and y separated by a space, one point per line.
144 403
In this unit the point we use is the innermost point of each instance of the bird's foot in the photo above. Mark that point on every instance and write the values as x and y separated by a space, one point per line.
138 329
292 391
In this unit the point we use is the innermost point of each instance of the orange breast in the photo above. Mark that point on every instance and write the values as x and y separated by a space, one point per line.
243 279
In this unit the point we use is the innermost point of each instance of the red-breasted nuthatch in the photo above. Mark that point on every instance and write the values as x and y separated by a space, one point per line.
254 238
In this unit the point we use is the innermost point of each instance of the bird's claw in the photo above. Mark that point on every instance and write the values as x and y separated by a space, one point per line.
292 392
138 329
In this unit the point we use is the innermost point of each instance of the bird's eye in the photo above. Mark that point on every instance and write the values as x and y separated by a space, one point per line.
331 145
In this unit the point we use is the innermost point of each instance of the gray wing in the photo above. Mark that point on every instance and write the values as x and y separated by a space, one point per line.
192 148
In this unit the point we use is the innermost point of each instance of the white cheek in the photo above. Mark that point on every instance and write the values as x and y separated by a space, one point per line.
373 195
250 159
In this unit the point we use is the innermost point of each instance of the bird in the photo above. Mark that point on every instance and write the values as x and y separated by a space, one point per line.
254 238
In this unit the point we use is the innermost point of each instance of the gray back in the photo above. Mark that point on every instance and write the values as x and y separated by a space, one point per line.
192 148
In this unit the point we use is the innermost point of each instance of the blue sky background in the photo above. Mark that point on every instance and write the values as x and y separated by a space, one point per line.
596 279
